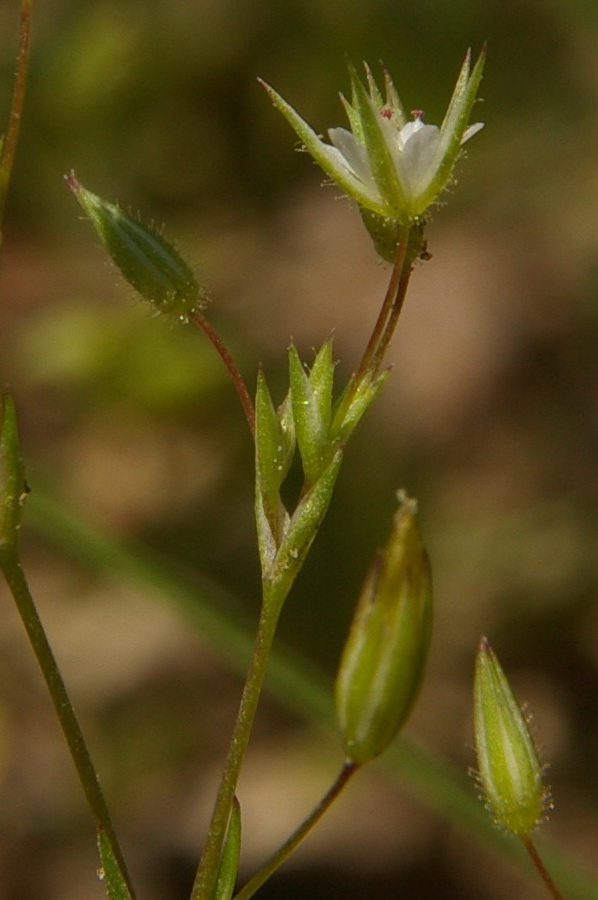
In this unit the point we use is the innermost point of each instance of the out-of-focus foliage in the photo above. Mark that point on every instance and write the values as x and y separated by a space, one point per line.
489 417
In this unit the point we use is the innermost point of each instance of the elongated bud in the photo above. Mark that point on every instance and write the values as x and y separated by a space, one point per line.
509 771
147 261
13 488
383 661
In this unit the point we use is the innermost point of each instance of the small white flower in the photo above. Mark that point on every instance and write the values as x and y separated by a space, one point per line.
394 168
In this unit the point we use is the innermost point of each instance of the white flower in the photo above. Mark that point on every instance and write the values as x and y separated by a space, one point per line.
394 168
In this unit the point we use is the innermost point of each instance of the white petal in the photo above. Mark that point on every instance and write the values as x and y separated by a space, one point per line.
409 129
418 159
336 166
354 153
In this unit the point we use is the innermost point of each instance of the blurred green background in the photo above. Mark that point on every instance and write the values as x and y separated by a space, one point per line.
490 418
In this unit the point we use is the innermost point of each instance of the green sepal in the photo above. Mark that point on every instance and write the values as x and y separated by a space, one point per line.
13 487
311 397
274 443
347 419
148 262
384 232
269 451
229 863
454 125
111 874
384 657
382 164
302 529
321 152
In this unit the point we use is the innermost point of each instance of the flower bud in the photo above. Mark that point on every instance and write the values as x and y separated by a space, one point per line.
383 661
509 771
13 488
147 261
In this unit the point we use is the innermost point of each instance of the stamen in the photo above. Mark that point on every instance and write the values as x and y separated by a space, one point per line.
387 112
418 114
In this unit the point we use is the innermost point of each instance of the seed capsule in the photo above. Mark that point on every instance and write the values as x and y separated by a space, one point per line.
384 658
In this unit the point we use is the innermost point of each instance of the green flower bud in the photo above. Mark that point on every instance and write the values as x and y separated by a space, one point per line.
383 661
147 261
13 488
509 771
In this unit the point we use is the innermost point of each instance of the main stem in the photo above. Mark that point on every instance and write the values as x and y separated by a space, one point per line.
210 859
283 853
62 704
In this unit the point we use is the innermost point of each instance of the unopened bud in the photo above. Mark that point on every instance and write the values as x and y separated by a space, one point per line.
383 661
509 771
147 261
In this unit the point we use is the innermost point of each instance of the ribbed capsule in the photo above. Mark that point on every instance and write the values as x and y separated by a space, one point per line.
509 771
147 261
383 661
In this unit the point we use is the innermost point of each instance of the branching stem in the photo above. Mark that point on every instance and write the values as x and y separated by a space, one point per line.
283 853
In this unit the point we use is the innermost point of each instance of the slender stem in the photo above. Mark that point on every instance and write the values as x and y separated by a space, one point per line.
62 704
240 386
383 328
387 306
16 107
210 859
283 853
393 318
541 868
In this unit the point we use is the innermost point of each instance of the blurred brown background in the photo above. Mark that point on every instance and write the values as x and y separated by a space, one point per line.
490 418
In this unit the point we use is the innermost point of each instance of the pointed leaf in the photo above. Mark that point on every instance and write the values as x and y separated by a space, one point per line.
311 399
379 154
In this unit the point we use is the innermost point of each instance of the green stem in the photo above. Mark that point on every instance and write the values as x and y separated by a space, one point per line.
16 107
541 868
283 853
15 577
209 864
